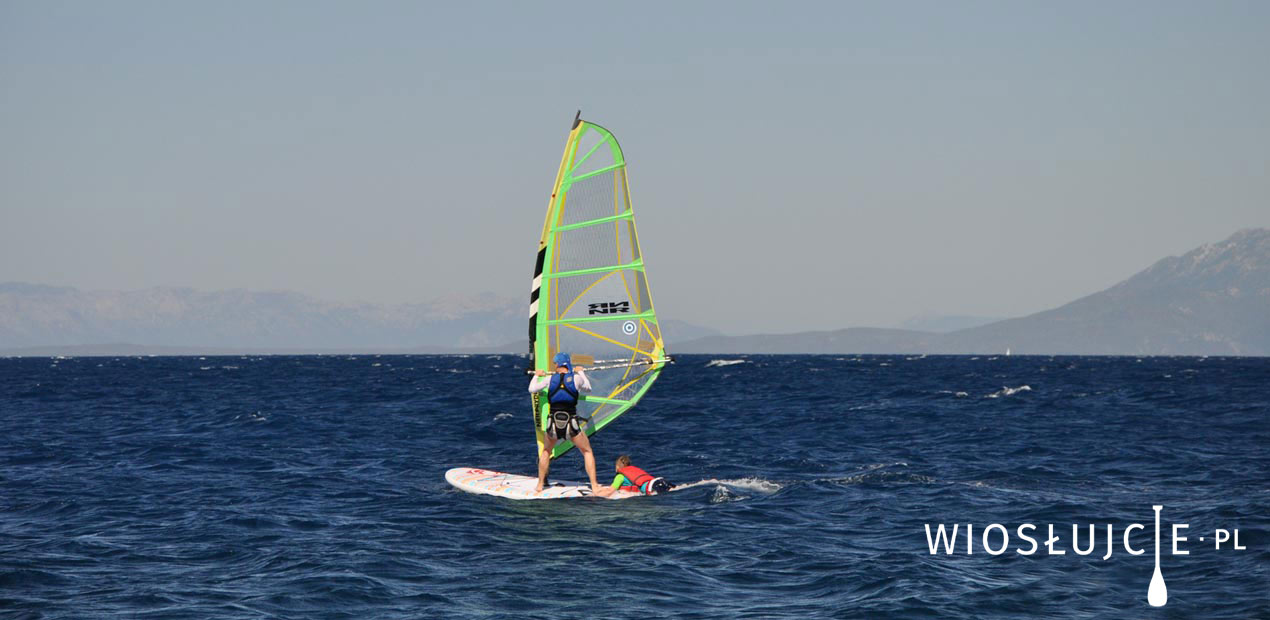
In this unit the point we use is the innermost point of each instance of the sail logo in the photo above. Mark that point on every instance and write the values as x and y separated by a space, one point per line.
609 307
995 540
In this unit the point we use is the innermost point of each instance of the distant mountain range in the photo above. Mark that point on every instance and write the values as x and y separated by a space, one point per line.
48 320
1214 300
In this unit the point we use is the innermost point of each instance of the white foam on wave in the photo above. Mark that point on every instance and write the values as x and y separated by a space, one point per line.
882 473
716 363
1009 391
723 495
874 466
502 416
752 484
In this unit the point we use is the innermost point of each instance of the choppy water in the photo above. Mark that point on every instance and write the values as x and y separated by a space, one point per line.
312 487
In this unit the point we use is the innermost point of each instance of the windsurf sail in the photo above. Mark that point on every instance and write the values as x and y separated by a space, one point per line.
590 295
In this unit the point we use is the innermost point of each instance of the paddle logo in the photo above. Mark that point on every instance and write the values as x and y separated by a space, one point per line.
995 539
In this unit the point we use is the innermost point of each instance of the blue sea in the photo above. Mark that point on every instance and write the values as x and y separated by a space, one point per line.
313 487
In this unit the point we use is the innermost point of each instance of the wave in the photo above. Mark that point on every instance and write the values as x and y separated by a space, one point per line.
752 484
881 473
715 363
1009 391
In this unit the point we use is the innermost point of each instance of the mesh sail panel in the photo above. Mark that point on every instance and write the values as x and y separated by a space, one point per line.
594 301
591 198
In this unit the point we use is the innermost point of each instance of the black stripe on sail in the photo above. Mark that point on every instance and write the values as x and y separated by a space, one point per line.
533 297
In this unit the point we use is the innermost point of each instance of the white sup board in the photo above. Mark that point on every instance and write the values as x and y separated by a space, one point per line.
512 486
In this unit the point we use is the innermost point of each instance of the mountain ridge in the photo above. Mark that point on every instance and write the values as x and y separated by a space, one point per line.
1213 300
59 320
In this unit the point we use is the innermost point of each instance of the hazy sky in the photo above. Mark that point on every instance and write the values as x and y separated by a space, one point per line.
793 166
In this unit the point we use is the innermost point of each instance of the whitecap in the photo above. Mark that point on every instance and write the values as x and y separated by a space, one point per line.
723 495
715 363
1009 391
752 484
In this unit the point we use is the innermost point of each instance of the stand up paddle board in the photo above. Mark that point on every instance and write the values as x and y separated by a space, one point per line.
512 486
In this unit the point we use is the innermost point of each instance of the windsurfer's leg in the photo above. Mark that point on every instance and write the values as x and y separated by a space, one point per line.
544 460
583 444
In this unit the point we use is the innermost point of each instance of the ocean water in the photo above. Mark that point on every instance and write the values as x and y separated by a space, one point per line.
312 487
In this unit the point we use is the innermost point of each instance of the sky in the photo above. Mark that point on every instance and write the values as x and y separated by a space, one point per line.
793 166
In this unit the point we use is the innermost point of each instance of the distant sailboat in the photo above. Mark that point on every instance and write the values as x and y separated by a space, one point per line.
1007 351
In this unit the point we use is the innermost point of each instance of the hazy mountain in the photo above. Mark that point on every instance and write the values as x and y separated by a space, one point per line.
1214 300
946 323
48 320
851 340
41 316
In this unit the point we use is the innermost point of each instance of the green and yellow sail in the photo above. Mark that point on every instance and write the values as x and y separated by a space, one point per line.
590 294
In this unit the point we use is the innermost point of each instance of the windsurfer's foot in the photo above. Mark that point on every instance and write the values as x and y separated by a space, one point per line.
539 489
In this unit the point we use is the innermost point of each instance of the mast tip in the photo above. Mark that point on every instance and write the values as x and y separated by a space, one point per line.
577 120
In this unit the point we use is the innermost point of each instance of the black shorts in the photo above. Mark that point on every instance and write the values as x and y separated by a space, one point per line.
563 424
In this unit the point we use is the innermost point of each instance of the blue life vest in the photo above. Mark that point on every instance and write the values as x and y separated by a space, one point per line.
562 390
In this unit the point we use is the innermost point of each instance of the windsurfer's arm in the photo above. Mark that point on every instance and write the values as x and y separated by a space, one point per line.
538 384
584 384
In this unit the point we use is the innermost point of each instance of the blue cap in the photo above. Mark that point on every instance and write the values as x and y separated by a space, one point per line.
562 359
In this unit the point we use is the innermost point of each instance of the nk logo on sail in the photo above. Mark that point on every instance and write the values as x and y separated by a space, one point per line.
609 307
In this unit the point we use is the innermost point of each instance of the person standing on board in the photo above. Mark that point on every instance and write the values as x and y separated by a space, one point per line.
564 387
